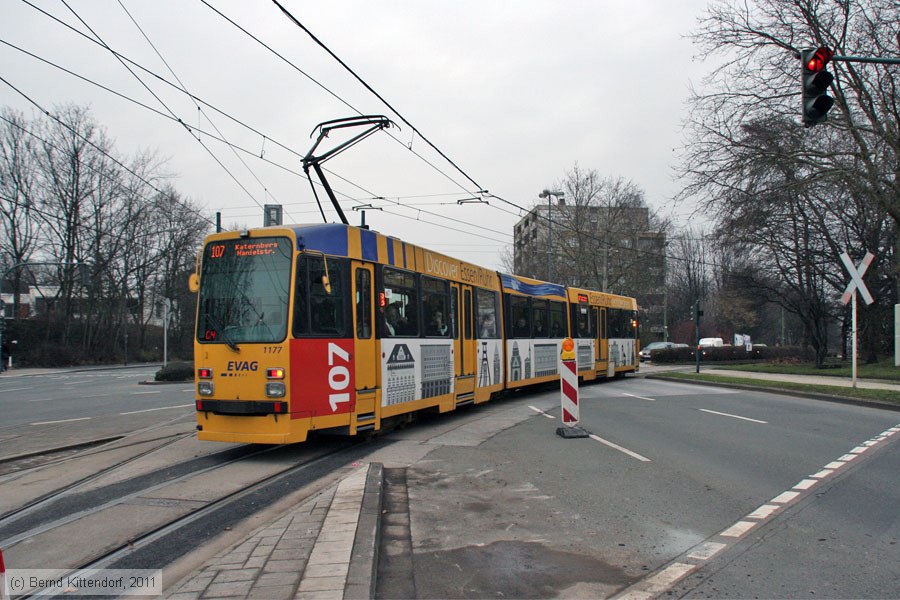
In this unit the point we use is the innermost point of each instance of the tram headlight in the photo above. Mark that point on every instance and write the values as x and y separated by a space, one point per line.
275 389
205 388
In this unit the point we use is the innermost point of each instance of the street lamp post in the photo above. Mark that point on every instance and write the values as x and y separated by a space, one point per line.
548 195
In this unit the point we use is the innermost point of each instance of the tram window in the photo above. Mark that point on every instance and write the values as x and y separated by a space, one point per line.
363 304
581 317
316 311
435 307
326 310
620 323
559 326
400 301
454 312
540 319
467 314
519 317
487 307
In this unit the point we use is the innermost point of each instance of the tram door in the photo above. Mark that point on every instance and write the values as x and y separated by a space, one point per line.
365 356
602 339
465 343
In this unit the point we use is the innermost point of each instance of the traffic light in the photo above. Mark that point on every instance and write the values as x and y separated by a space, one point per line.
814 82
698 312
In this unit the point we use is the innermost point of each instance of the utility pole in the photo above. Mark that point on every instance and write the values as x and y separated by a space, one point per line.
549 196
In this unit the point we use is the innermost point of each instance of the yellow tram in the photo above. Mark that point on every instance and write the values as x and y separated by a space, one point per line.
329 326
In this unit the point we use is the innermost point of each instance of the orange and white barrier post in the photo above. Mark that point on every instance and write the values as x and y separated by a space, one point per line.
568 380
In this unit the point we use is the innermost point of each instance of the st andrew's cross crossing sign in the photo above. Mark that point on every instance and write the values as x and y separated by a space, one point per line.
856 275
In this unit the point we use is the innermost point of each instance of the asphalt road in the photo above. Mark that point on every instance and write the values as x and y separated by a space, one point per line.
526 513
59 408
501 506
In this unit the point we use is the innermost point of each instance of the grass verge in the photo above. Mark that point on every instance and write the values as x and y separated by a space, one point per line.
888 396
884 369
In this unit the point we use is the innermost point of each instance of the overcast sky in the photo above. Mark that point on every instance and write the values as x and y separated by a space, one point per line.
515 93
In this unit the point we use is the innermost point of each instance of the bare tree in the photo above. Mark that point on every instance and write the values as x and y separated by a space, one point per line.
19 220
794 194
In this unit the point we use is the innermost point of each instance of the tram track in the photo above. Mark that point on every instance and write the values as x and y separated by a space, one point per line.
168 541
170 510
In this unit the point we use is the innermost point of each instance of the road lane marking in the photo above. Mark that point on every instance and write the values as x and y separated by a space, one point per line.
639 397
805 484
16 389
144 393
647 588
835 465
785 497
62 421
715 412
763 512
540 412
706 551
738 529
134 412
619 448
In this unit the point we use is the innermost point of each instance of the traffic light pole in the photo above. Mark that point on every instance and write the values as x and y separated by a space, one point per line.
867 59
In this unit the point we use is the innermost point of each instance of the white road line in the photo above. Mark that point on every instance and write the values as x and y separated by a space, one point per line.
540 412
714 412
134 412
848 457
785 497
835 465
823 474
763 511
738 529
619 448
16 390
668 577
144 393
63 421
805 484
706 551
639 397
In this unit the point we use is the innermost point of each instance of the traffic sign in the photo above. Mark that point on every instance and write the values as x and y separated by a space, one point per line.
856 275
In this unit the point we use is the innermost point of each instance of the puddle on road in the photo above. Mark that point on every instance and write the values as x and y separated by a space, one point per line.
509 569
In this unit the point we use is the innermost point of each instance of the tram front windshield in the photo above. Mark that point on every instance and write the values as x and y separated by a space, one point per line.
244 291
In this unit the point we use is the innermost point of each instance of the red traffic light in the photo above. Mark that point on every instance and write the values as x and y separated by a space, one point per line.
819 59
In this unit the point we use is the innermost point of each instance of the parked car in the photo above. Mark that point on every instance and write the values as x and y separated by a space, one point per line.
645 352
711 342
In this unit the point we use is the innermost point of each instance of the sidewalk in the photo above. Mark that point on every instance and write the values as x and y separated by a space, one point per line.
326 548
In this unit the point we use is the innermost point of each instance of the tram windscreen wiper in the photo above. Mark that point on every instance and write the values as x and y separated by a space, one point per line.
225 337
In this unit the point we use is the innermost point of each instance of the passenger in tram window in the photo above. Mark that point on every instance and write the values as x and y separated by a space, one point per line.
556 330
392 320
539 329
582 329
437 326
486 330
521 328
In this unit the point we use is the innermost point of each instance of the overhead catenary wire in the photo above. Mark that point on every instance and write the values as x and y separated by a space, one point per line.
158 99
502 200
171 116
184 89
